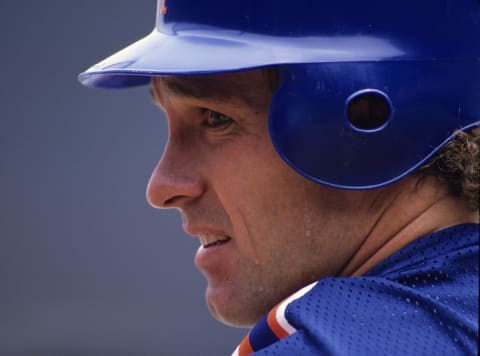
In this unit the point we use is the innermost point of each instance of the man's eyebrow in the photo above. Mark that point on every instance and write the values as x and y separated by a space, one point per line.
198 88
235 89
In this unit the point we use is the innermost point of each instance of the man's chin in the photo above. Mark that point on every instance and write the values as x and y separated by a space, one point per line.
229 310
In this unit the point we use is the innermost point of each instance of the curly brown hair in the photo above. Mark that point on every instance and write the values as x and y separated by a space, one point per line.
458 164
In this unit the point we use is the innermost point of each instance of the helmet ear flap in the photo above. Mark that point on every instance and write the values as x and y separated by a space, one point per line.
364 125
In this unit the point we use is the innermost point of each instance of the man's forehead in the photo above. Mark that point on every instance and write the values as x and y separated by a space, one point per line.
244 86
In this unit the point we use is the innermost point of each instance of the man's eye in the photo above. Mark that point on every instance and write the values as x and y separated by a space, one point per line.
216 120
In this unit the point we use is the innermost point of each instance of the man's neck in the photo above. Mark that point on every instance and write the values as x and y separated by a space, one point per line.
416 208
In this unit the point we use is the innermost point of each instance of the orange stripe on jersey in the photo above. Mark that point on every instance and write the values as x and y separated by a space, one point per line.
274 325
245 348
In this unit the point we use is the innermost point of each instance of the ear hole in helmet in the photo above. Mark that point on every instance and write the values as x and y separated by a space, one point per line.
368 110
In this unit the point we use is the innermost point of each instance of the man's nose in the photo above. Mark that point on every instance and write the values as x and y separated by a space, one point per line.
175 180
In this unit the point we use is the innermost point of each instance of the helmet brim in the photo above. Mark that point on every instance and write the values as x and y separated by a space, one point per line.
217 51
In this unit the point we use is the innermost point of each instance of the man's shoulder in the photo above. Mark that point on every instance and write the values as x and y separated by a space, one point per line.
423 299
446 250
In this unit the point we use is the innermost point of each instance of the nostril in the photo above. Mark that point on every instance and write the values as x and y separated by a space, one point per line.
171 201
168 201
168 194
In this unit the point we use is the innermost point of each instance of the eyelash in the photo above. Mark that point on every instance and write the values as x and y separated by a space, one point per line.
226 120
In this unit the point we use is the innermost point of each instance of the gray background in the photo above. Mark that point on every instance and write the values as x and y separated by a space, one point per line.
86 266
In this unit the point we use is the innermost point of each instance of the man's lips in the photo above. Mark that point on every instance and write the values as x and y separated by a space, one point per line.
210 240
213 256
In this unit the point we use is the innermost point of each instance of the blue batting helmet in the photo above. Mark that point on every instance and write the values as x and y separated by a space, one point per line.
369 90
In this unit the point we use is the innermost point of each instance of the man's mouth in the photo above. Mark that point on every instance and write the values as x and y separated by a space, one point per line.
213 240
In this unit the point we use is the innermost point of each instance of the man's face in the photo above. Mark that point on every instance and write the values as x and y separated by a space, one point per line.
265 230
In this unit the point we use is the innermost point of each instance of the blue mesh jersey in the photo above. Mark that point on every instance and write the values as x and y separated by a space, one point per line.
423 300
